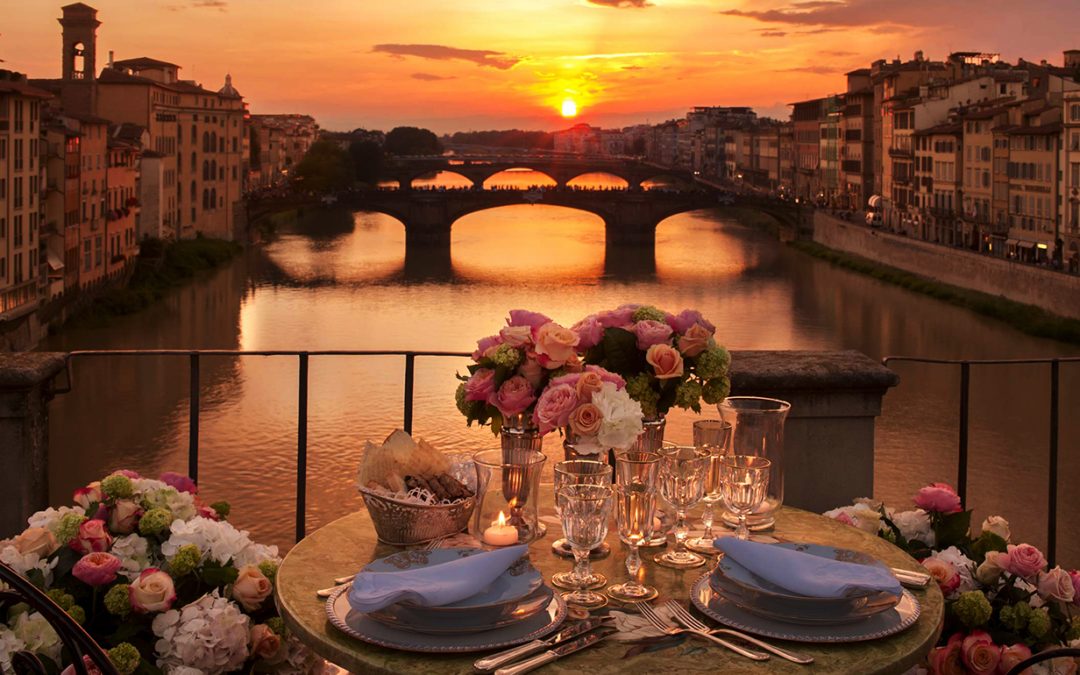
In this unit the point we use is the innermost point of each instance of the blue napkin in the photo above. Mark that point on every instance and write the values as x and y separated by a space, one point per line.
805 574
432 586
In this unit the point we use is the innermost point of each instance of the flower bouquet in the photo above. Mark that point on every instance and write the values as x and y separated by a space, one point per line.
161 581
512 367
595 409
1003 601
667 360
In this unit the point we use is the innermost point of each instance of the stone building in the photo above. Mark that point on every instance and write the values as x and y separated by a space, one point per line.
1070 177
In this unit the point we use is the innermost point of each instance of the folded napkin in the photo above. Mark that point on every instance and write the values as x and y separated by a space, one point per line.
432 586
805 574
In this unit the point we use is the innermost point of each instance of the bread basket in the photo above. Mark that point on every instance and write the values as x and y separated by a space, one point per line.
405 523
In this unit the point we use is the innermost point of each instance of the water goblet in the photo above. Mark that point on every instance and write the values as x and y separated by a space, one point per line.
745 482
579 472
641 466
584 512
635 508
682 484
714 436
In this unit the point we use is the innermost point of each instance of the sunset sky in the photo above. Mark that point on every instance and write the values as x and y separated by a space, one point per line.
483 64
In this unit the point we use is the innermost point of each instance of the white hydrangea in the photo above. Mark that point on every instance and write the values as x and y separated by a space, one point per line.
50 517
37 636
145 485
914 525
134 554
180 504
24 562
210 635
182 670
964 565
622 415
859 515
9 644
255 554
217 540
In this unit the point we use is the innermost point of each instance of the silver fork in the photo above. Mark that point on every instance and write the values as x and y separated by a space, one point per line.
663 626
683 616
342 582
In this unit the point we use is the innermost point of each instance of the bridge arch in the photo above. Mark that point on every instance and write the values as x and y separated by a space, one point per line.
488 174
594 175
448 178
456 215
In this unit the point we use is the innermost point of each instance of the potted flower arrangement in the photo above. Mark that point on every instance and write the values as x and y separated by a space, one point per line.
593 408
1003 601
160 580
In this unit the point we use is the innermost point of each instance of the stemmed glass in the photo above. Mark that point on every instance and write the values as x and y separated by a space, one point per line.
682 483
745 481
712 435
579 472
584 511
635 508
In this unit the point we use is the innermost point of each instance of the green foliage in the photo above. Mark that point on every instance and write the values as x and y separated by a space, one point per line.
618 353
511 138
987 541
325 168
222 508
952 530
216 574
367 159
412 141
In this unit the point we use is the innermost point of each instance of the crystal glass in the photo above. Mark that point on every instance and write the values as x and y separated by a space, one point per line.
652 434
683 469
584 511
507 487
579 472
712 435
745 481
636 466
758 430
635 508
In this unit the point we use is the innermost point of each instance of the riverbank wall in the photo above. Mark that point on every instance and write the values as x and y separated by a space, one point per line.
1052 291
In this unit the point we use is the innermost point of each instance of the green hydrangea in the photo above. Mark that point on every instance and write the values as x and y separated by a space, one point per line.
716 390
276 624
1074 630
712 363
1015 617
155 521
1039 624
61 597
118 600
973 609
639 387
505 356
125 657
464 406
67 527
77 614
222 509
185 561
648 313
269 569
117 487
688 396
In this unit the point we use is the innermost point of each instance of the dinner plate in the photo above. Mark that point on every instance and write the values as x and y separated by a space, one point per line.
880 625
423 620
362 627
857 610
519 580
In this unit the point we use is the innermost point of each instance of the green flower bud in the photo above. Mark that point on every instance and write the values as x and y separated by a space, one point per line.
67 527
276 624
648 313
155 521
222 509
712 363
61 597
716 390
117 487
269 569
1039 624
77 614
118 600
1074 630
187 559
505 356
1015 617
125 657
973 609
688 396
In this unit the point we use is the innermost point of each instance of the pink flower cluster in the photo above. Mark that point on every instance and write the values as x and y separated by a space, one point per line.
938 498
567 401
977 654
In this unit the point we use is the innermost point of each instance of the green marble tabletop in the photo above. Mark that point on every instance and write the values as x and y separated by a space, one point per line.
347 544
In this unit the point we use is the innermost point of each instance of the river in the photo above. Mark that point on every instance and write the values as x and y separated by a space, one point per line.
341 283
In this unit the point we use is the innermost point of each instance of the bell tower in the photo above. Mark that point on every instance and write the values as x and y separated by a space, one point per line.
80 42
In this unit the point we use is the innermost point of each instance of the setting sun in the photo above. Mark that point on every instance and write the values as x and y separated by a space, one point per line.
569 108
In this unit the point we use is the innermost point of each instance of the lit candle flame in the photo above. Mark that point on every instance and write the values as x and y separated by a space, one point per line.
501 519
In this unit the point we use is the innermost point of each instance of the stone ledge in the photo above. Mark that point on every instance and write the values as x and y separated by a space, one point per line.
805 370
23 370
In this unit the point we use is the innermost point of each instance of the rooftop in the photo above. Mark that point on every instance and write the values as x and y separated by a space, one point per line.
141 62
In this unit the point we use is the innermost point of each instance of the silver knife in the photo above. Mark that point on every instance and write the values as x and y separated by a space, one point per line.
556 653
489 663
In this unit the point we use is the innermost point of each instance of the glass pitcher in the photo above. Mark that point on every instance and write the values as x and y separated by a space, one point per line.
758 430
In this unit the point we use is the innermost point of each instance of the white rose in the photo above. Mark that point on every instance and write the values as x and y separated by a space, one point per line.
915 526
991 568
998 526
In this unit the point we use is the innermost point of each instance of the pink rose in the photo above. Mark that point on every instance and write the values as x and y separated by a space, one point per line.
1075 576
516 336
96 569
179 481
589 331
523 317
682 322
694 341
92 537
484 345
207 512
1056 584
1024 561
588 383
938 498
124 516
532 371
948 660
556 344
944 573
607 376
263 643
514 396
979 653
91 668
37 540
481 385
85 496
666 361
616 318
651 333
554 407
586 420
251 588
1012 655
153 591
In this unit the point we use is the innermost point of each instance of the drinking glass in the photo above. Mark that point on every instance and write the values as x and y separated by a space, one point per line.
745 479
637 466
682 483
635 508
507 490
579 472
758 429
712 435
584 511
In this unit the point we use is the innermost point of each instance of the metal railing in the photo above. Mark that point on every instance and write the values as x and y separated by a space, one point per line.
194 357
965 416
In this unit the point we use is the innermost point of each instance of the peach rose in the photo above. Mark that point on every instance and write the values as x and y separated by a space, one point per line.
516 336
588 384
1012 655
695 341
92 537
944 573
666 361
153 591
37 540
556 343
979 653
586 419
948 660
251 588
124 516
263 642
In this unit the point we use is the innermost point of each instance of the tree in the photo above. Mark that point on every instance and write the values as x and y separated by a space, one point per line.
412 141
325 167
367 160
256 149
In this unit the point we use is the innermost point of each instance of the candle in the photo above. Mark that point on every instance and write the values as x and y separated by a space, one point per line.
500 533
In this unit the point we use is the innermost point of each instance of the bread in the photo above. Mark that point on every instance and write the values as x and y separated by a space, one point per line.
400 457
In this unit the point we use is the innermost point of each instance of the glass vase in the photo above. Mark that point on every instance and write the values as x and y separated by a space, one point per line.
518 433
652 434
507 496
758 431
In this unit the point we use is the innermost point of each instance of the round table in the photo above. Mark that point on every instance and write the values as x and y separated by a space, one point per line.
347 544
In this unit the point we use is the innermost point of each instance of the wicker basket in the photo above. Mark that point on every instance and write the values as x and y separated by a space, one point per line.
404 523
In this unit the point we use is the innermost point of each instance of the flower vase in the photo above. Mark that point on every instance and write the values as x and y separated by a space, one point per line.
573 449
519 436
652 434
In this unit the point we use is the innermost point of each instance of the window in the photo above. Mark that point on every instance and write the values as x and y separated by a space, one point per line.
87 253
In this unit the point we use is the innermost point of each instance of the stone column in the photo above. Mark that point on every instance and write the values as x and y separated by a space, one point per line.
26 386
829 436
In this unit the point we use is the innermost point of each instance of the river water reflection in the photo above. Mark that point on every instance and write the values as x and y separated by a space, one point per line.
341 283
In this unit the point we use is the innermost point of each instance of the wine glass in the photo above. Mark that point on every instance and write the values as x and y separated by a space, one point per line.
714 436
635 508
745 481
579 472
584 511
682 484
